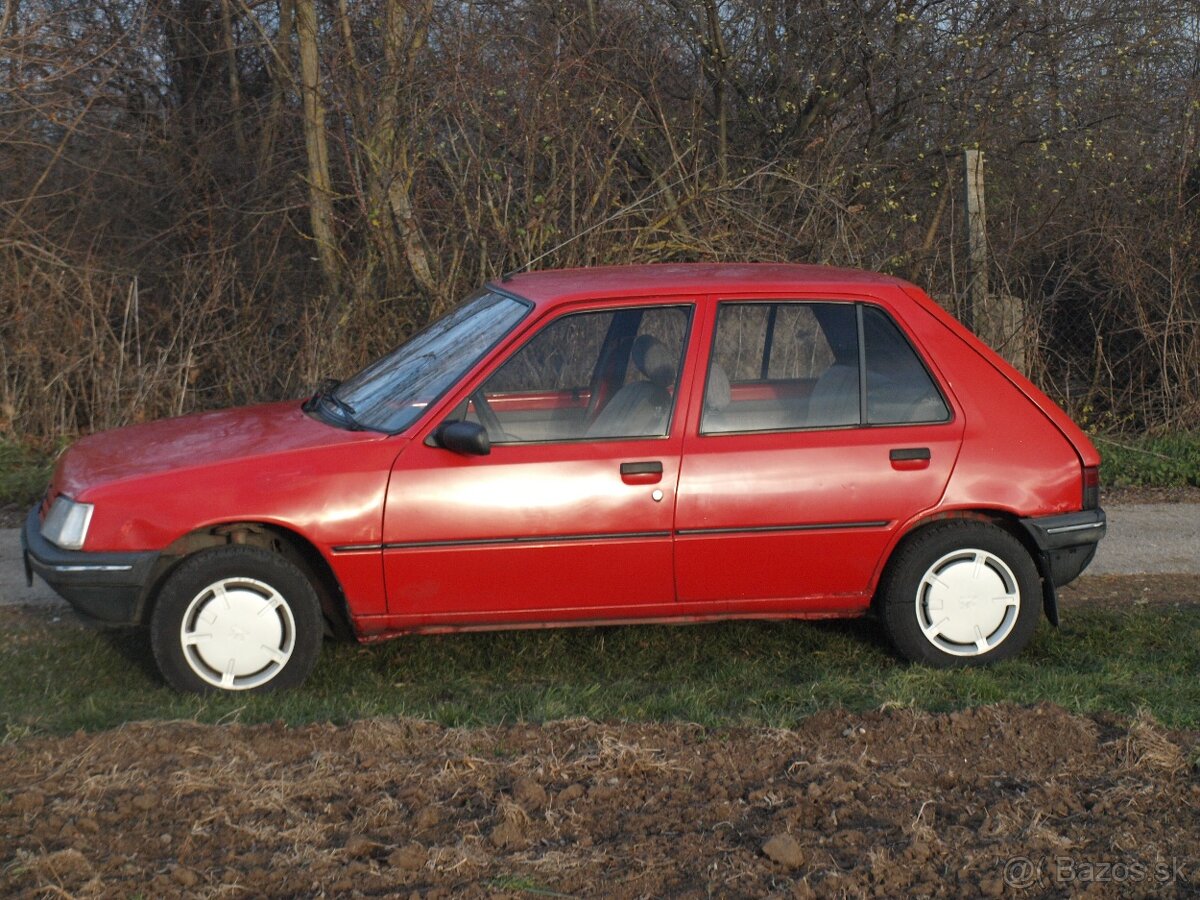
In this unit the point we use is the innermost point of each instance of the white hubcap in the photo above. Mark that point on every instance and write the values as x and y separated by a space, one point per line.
967 602
238 633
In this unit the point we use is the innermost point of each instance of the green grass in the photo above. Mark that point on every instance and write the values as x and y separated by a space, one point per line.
1168 460
57 679
24 472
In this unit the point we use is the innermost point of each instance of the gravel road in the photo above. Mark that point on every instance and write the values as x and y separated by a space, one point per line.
1149 538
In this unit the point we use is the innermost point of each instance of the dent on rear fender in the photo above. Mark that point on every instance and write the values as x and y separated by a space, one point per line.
1026 491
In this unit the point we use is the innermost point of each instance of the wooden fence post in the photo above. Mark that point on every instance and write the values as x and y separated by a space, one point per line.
976 224
998 319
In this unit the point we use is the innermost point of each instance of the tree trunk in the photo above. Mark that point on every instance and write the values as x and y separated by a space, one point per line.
383 150
719 64
281 75
403 33
234 80
974 311
320 190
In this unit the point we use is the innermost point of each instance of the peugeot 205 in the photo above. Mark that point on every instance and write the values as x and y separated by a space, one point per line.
595 446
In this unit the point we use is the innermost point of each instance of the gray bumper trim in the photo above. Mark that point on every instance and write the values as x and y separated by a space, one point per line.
1070 530
108 588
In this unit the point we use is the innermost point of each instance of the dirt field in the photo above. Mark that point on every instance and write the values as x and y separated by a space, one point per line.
995 801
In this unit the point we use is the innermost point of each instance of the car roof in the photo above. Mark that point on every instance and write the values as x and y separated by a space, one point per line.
670 279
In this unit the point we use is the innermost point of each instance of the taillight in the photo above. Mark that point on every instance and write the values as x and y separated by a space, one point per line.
1091 487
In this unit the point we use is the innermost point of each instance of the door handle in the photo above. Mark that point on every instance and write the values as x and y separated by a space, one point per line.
649 472
908 458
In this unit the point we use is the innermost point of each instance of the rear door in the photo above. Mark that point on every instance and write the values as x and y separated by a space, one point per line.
794 478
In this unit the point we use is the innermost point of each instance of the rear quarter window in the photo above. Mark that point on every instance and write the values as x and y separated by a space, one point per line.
900 390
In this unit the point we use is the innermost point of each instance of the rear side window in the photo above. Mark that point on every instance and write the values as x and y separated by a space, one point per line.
790 365
774 341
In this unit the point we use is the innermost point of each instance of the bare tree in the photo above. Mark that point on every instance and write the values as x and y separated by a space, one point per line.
320 185
208 201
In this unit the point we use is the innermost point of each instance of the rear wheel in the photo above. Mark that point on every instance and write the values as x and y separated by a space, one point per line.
961 593
236 618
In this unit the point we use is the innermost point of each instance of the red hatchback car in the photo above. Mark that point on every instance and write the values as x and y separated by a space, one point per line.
641 444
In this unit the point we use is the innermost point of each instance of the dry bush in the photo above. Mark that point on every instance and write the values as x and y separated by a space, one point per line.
165 166
1147 748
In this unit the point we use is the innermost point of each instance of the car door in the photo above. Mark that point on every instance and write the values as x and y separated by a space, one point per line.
794 478
570 514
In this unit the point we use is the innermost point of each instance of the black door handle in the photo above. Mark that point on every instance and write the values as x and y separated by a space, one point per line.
641 468
909 453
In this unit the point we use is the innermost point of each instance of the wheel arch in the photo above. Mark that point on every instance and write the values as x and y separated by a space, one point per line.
267 536
1000 518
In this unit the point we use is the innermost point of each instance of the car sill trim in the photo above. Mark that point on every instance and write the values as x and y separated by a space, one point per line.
520 539
608 536
763 529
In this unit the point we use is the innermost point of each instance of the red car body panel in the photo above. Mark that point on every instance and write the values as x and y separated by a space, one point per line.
793 523
1012 461
1083 446
744 537
553 539
153 484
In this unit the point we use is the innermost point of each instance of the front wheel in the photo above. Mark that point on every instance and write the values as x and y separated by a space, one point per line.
961 593
236 618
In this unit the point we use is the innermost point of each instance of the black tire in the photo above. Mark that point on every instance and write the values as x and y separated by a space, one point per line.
947 596
265 635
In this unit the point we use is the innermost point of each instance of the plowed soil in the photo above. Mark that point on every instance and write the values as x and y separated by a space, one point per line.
995 801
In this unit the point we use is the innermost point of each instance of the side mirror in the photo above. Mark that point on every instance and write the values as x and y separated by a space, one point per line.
467 438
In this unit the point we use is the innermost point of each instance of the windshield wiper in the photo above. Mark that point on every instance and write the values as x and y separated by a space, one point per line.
325 392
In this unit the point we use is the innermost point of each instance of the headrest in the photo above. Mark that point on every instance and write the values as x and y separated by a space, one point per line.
654 360
718 394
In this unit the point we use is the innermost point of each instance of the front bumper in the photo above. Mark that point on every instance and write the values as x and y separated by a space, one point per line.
108 588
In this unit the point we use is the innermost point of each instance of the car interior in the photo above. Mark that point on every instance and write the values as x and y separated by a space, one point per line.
774 366
796 365
594 375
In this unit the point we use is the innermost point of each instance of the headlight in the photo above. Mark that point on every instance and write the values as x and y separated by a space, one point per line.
67 523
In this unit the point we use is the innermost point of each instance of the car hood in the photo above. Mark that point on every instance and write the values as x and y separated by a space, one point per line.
189 442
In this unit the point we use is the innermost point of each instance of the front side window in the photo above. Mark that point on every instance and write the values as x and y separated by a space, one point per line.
789 365
392 392
590 375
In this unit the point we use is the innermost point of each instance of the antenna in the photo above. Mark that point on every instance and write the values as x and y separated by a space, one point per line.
507 276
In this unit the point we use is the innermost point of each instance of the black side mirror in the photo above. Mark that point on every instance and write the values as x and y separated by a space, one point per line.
468 438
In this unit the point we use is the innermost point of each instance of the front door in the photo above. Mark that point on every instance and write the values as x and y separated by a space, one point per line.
570 515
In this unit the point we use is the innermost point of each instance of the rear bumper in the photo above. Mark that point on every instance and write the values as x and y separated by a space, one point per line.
1067 542
108 588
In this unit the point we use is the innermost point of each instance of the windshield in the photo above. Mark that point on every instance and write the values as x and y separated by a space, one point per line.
390 393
